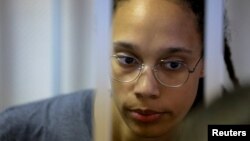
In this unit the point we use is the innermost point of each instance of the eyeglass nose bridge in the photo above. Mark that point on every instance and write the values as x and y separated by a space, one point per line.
142 69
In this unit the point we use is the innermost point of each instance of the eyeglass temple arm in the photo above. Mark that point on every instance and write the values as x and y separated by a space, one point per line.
192 70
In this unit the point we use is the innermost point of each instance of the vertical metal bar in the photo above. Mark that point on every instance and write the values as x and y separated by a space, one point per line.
102 44
214 66
56 45
1 58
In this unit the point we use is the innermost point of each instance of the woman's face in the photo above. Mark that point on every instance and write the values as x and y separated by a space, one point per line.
150 31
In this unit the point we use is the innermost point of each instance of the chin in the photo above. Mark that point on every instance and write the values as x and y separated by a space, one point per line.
150 134
150 131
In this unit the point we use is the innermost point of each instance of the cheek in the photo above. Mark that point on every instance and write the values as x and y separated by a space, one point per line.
120 92
184 97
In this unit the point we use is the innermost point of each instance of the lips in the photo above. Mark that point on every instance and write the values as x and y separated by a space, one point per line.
145 116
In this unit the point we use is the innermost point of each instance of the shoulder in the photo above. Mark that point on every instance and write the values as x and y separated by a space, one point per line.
61 112
81 100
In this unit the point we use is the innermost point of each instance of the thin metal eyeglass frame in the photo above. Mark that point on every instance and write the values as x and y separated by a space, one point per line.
142 66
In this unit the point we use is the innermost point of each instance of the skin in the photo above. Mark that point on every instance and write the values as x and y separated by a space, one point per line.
152 30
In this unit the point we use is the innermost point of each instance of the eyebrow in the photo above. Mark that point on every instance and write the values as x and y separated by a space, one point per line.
177 49
123 45
169 50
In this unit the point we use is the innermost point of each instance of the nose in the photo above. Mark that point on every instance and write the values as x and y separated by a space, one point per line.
146 85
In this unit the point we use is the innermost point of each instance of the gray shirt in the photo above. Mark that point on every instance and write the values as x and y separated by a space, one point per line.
63 118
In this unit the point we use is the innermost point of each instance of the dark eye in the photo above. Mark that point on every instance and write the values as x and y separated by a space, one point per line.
172 65
127 60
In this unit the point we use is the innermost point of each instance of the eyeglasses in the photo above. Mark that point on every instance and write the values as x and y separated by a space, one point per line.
170 73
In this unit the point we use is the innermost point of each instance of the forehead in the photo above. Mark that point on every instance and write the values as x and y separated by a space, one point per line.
155 22
152 11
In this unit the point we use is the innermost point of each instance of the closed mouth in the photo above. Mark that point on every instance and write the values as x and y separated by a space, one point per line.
147 112
146 115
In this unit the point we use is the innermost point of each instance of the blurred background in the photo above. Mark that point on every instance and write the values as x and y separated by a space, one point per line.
46 48
239 20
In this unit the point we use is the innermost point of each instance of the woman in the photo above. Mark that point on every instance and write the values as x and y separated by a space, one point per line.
157 65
